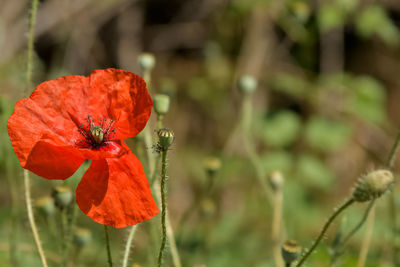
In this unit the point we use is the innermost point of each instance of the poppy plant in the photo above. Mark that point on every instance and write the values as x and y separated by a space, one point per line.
73 118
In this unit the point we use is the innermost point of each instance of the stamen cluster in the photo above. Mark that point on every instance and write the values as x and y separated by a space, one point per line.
96 135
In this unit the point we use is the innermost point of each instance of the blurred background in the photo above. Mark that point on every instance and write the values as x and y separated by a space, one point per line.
326 110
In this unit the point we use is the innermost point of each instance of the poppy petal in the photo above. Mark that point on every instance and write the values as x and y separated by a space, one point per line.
125 99
38 143
116 192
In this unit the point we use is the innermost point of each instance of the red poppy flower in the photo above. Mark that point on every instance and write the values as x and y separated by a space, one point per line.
74 118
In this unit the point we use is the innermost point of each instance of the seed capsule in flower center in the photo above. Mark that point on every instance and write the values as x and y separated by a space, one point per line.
97 134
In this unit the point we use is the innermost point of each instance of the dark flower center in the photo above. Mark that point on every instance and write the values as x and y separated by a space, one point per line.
96 135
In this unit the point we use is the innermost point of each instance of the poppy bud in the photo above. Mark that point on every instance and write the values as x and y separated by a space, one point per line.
165 138
161 104
82 236
373 185
62 196
275 180
207 207
146 61
45 205
212 165
247 84
290 251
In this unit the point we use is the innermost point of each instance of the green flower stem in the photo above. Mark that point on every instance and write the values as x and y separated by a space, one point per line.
128 246
159 121
29 69
339 249
32 218
14 212
324 229
392 202
163 206
69 233
108 246
64 236
367 239
276 227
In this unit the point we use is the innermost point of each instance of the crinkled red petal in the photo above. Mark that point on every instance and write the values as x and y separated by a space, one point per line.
116 192
55 110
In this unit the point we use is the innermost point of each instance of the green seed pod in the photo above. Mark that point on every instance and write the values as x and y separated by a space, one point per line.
45 205
247 84
146 61
373 185
62 196
290 251
82 236
161 104
165 138
212 165
276 180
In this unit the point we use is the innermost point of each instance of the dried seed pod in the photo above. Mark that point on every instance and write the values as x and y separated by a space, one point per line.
276 180
62 196
146 61
161 104
247 84
45 205
212 165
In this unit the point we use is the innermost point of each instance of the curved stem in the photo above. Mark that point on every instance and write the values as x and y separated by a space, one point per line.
32 218
128 246
108 246
324 229
163 206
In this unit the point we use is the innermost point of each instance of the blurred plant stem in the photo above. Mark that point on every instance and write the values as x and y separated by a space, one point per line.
276 227
338 250
367 238
14 212
108 246
29 68
163 205
63 215
337 211
246 119
392 203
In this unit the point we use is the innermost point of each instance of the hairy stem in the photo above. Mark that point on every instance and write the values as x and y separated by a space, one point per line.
163 206
128 246
324 229
108 246
32 218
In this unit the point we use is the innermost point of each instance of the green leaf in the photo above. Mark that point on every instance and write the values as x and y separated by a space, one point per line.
326 135
277 160
281 129
314 172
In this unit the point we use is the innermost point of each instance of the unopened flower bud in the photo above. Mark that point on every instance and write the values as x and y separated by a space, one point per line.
290 251
146 61
45 205
62 196
275 180
82 236
161 104
165 138
247 84
212 165
373 185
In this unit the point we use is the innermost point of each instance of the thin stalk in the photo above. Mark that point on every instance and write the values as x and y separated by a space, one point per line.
172 244
339 249
69 233
392 201
276 227
108 246
64 236
159 121
29 69
247 111
324 229
32 218
128 246
163 206
367 239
